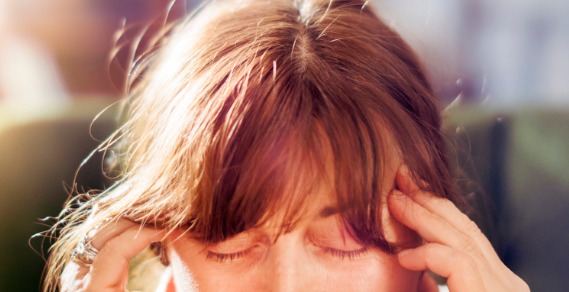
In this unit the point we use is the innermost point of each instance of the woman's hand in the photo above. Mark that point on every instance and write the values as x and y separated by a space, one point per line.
454 247
117 242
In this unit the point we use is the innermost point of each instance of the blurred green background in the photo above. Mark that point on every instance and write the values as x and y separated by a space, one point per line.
507 60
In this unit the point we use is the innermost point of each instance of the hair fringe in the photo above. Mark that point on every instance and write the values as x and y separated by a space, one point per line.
197 81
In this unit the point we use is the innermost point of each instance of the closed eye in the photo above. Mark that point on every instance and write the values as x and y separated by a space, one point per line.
235 248
346 254
227 257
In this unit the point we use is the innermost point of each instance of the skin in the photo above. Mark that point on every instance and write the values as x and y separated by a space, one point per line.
318 255
453 247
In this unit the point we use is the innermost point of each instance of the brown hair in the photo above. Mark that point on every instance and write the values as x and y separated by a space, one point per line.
228 121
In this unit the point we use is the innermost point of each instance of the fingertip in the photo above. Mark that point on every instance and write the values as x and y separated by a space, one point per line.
395 193
398 204
394 197
397 196
404 253
408 259
404 180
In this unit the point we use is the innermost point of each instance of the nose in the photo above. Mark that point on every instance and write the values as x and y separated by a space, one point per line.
287 266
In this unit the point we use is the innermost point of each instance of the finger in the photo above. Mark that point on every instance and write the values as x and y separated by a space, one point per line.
109 267
74 273
440 206
447 211
428 225
461 270
109 230
488 268
404 180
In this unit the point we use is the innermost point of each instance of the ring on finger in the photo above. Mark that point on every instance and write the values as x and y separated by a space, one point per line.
85 253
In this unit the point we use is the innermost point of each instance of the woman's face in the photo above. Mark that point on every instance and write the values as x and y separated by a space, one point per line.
317 255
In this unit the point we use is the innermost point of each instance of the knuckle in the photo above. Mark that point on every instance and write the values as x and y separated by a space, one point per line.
468 246
110 248
470 226
464 262
524 286
518 284
430 255
446 203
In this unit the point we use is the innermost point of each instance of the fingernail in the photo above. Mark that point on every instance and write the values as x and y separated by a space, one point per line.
397 193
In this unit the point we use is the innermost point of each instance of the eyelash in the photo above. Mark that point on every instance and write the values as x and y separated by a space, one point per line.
342 254
226 257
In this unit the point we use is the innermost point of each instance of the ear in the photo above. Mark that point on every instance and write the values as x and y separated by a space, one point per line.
427 283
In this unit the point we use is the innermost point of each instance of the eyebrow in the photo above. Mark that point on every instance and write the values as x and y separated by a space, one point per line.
328 211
